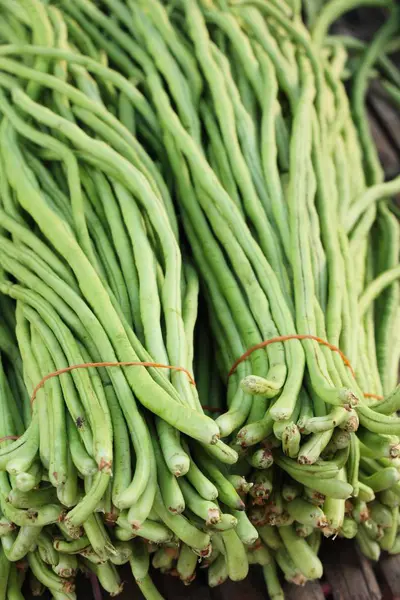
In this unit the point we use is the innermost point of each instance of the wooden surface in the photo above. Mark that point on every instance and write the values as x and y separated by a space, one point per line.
311 591
388 572
348 576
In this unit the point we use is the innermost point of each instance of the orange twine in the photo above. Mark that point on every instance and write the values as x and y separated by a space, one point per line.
9 437
286 338
264 344
107 364
368 395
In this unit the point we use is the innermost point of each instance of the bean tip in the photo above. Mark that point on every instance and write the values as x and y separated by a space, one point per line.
215 439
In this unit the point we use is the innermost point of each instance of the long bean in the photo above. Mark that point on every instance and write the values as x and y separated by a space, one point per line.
174 414
189 184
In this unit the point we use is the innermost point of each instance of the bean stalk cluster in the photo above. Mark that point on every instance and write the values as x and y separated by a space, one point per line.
181 181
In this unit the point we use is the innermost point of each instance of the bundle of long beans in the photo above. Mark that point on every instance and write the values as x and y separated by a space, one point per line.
149 149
